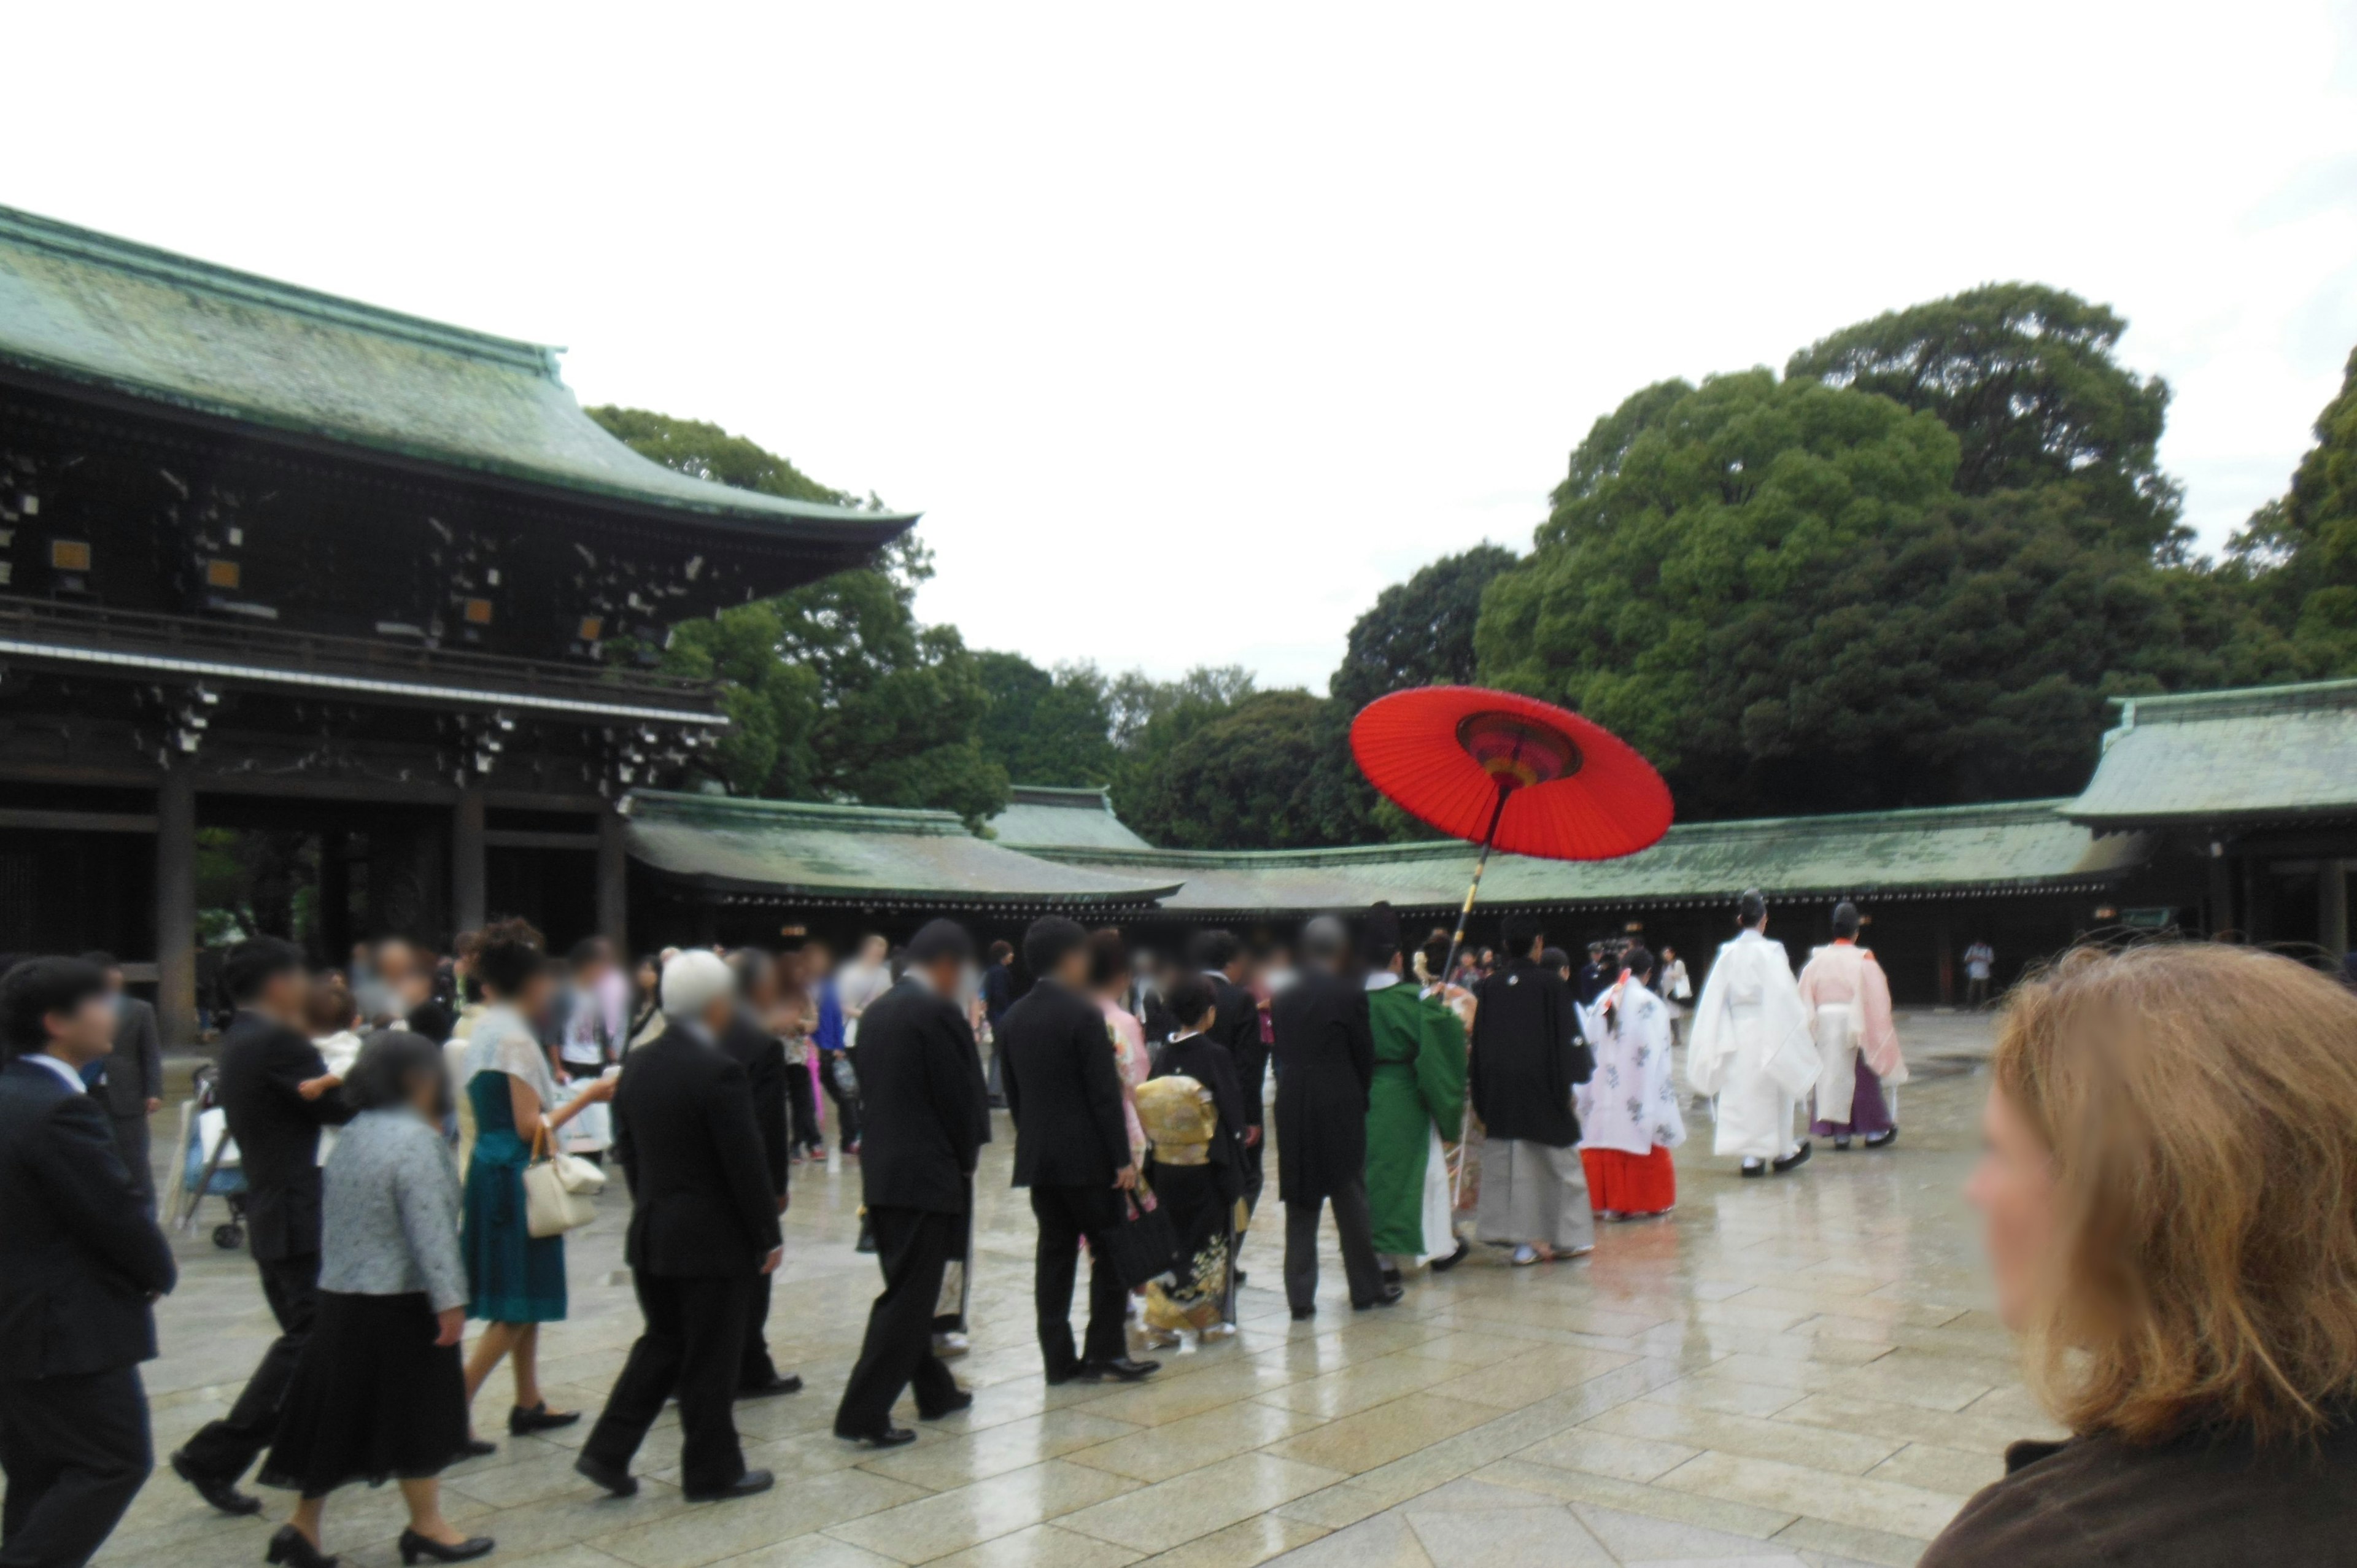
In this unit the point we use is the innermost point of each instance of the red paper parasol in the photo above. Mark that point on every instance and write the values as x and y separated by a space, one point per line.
1520 775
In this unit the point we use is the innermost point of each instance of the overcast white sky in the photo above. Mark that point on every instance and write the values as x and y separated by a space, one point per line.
1190 327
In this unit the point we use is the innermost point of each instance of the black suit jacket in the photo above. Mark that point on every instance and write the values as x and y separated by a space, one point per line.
923 1115
134 1071
79 1256
702 1206
1325 1060
1062 1089
1236 1025
763 1057
1527 1056
277 1132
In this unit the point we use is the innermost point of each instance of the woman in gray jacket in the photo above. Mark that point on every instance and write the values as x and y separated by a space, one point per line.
379 1392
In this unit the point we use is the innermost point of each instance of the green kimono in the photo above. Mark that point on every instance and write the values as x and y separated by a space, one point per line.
1418 1089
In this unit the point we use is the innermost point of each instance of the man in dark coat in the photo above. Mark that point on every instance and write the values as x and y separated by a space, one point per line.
927 1120
1527 1056
1325 1061
1237 1025
130 1077
1072 1149
80 1261
265 1059
704 1227
763 1057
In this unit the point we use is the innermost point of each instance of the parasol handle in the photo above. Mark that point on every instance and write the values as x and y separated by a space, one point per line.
1464 914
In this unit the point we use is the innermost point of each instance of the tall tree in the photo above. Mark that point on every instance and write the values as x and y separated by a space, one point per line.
2301 549
2024 376
835 691
1047 727
1232 778
1773 590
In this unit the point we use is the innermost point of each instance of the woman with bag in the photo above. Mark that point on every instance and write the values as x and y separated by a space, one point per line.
515 1279
377 1392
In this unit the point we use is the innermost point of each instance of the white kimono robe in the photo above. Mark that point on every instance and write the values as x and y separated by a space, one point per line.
1751 1049
1631 1101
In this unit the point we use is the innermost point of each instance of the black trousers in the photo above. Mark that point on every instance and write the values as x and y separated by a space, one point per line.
76 1451
756 1368
694 1343
221 1450
1357 1229
1065 1215
847 1106
802 1108
915 1249
131 1142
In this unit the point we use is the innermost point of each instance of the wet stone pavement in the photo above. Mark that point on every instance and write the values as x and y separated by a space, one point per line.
1796 1371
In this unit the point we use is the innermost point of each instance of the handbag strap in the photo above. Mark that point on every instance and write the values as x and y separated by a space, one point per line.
540 1141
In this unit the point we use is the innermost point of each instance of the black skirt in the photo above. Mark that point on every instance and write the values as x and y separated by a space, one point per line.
373 1398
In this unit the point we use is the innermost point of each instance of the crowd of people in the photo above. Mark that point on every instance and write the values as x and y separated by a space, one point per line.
418 1134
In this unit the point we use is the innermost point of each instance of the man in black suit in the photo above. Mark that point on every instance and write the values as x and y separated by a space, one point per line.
1235 1025
265 1058
1325 1062
920 1085
749 1043
1072 1149
131 1074
704 1227
80 1261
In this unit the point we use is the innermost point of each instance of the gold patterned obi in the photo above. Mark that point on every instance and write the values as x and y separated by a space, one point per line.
1180 1118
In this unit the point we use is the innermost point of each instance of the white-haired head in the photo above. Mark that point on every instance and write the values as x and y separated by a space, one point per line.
692 981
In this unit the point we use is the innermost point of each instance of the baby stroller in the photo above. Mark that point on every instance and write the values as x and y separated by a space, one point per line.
209 1164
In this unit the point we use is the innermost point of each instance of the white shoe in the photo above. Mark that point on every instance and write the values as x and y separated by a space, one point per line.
1220 1331
949 1346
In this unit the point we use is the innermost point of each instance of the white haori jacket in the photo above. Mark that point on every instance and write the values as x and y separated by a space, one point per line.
1630 1103
1848 998
1752 1047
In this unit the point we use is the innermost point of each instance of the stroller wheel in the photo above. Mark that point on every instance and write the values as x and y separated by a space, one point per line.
229 1237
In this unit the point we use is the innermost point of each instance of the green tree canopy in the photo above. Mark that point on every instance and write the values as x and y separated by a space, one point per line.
1774 591
1049 727
1231 778
2023 375
834 691
2301 549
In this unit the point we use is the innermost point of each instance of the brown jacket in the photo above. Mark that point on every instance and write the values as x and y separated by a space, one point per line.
2195 1502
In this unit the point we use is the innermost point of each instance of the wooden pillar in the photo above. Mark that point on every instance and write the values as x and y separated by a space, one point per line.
613 883
176 905
2332 907
1944 941
469 875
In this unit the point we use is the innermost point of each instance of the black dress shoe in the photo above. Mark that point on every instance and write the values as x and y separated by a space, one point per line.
1882 1140
617 1481
1755 1168
475 1448
1390 1276
776 1385
744 1486
1304 1313
1390 1297
1798 1157
522 1423
293 1547
415 1546
222 1495
1442 1265
951 1406
890 1437
1123 1369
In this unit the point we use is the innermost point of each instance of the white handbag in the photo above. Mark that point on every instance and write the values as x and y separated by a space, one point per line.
559 1190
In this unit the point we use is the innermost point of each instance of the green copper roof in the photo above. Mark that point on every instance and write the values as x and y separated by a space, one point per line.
1044 816
2015 846
795 852
87 307
2263 753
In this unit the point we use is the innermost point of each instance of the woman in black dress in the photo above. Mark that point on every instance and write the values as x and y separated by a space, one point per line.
379 1394
1193 1111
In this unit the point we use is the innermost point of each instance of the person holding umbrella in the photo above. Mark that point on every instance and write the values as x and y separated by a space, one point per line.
1527 1059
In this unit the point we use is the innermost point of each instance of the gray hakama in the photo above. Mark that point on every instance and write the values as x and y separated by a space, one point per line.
1535 1194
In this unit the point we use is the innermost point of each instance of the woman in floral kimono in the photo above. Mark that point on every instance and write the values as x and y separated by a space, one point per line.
1193 1112
1628 1119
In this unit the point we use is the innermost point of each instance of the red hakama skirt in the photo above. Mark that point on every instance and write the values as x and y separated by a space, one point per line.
1630 1183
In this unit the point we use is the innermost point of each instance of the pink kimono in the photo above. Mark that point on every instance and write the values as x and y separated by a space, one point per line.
1129 1055
1848 998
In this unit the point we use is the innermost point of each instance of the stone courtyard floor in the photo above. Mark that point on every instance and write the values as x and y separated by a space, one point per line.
1796 1371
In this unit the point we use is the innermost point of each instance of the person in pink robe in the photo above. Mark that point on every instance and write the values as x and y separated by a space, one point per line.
1109 979
1848 998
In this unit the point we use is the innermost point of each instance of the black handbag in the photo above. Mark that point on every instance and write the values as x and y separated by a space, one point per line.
1144 1246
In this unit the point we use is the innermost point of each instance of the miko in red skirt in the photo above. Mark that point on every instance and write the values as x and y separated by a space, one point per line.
1628 1114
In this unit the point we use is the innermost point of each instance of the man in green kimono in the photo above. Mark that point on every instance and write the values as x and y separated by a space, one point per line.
1415 1104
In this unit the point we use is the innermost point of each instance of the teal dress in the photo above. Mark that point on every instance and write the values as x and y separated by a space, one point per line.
512 1276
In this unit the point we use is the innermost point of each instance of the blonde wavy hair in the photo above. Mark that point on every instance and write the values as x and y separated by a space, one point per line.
2201 1104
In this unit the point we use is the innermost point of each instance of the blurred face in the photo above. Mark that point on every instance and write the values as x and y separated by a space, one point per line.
538 992
2013 1188
287 995
818 959
393 962
84 1033
649 978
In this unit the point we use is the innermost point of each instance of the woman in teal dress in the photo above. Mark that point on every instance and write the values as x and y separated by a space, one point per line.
516 1281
